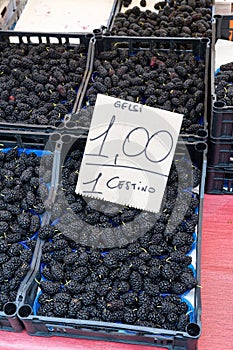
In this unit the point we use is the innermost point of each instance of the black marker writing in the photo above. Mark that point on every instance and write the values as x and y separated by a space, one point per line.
144 132
132 107
126 167
115 182
109 182
95 181
105 134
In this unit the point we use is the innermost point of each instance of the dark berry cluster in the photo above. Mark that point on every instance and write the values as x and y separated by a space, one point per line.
183 18
224 85
119 285
38 83
21 203
170 80
126 3
139 282
92 221
15 261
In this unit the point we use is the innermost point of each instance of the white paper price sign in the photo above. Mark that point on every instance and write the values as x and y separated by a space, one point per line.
128 153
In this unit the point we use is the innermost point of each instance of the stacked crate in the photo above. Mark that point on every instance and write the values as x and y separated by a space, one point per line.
220 156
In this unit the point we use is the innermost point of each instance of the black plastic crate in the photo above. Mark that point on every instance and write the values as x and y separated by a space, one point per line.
29 41
35 137
156 29
199 47
28 242
220 152
77 328
224 27
219 180
222 120
221 123
25 137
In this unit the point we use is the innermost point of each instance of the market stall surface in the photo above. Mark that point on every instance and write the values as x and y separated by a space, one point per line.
53 16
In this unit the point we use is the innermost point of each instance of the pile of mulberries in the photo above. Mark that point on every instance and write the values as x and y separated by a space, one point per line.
92 220
141 282
180 18
15 259
21 205
118 285
170 80
224 85
38 83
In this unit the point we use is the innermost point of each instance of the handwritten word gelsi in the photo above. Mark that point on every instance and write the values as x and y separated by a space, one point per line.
128 153
131 107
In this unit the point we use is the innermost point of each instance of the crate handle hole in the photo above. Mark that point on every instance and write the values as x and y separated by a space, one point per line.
25 39
193 329
205 40
50 329
219 104
61 125
202 133
55 137
97 31
66 138
25 311
200 146
218 16
10 309
70 125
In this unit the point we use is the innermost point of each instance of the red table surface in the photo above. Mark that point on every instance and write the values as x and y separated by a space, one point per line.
216 281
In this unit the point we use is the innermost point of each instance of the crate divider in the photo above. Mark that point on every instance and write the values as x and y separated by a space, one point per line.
88 76
115 9
219 180
85 76
9 320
